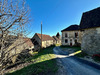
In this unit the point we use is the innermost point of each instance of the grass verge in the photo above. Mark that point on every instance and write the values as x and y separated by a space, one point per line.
77 50
73 47
58 44
82 54
44 63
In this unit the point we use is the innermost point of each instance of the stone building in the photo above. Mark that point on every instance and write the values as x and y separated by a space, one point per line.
71 35
56 40
58 36
46 40
21 45
90 25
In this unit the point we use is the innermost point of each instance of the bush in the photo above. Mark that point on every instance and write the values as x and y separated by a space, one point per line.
96 57
77 45
64 46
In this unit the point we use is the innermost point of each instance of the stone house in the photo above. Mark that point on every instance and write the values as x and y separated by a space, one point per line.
71 35
90 25
58 36
21 45
47 40
56 40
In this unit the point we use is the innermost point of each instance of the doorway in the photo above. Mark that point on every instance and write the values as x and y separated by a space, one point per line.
70 42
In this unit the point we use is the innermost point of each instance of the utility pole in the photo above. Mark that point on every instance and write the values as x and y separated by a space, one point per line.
41 34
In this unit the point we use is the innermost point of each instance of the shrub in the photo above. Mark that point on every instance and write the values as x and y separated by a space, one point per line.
77 45
64 46
96 57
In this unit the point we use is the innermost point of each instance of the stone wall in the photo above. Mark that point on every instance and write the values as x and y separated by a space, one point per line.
91 41
44 43
47 43
37 39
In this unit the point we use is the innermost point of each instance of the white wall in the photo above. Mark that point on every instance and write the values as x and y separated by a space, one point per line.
71 35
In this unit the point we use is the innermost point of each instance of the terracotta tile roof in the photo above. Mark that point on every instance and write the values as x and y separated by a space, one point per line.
71 28
90 19
44 37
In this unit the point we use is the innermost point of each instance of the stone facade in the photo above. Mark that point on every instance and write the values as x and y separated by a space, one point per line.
56 40
46 41
71 39
91 41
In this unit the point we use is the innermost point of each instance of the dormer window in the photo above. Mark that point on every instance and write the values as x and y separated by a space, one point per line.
66 35
76 34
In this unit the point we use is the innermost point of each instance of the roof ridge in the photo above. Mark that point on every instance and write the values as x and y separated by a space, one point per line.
92 10
90 19
42 34
44 37
71 28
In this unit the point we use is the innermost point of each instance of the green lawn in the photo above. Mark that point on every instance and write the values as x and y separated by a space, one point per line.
44 64
73 47
76 49
82 54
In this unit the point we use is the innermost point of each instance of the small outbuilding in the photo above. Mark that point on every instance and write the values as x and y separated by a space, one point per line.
47 40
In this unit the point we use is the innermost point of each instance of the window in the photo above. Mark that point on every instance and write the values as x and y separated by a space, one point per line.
66 35
75 41
66 40
76 35
35 43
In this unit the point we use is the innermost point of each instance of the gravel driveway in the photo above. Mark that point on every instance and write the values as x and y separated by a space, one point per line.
74 66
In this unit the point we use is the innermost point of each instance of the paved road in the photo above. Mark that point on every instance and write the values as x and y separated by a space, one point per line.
74 66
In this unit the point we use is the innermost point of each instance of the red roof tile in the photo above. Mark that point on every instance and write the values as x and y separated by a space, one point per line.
44 37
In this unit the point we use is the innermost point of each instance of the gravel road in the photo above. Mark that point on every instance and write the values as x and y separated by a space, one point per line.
74 66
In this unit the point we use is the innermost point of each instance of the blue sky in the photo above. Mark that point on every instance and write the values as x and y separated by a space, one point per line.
57 14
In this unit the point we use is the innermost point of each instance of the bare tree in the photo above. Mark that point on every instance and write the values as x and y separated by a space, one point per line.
14 15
